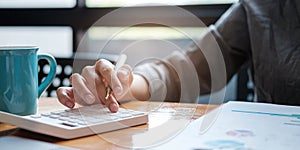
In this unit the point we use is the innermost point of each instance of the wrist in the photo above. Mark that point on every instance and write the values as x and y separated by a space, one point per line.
139 88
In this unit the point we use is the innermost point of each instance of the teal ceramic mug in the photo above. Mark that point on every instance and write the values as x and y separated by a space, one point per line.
19 89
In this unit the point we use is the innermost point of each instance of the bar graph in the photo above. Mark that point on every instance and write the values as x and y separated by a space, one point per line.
295 118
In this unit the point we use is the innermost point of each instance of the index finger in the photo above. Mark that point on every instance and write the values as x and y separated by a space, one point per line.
106 70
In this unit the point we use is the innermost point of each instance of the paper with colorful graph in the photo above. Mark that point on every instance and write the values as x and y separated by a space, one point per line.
242 126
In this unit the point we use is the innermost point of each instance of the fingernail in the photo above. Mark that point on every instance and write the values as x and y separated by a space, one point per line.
114 107
124 73
90 99
118 91
69 104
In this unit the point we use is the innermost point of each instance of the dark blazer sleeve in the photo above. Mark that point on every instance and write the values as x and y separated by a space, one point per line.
173 79
231 35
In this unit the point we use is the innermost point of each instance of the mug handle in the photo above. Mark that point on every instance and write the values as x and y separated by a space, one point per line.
46 83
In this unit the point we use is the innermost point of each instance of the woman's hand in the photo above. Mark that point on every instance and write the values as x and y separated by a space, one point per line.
90 87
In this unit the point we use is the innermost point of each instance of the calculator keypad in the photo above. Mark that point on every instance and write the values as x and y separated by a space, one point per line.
88 115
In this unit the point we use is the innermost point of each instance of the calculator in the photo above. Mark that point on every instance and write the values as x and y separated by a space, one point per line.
77 122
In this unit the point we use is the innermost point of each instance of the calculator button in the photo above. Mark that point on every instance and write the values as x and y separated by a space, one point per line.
36 116
46 114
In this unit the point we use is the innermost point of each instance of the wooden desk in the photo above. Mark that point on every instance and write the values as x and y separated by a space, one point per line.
162 120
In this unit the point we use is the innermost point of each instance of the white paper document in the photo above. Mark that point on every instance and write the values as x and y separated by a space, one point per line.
242 126
19 143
